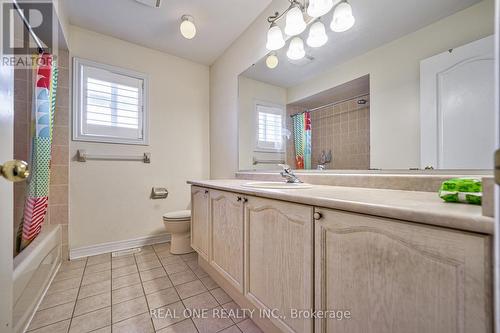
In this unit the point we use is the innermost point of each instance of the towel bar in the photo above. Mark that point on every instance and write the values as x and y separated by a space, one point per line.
82 156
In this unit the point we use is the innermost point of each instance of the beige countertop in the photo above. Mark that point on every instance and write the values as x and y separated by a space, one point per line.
414 206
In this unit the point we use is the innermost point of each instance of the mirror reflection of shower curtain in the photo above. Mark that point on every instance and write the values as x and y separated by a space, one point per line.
42 120
302 140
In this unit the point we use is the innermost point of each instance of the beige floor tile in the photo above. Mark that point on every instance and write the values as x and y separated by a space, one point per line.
199 272
125 270
147 265
152 274
146 257
147 249
164 254
182 277
128 309
68 274
59 298
138 324
91 321
171 260
214 322
161 247
209 283
158 284
221 296
189 256
248 326
193 264
123 261
90 278
201 301
94 289
127 293
92 303
125 281
162 298
98 267
60 327
52 315
235 312
190 289
70 265
176 268
64 285
168 315
185 326
106 329
99 259
232 329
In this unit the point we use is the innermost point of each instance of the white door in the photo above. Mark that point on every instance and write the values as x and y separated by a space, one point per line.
457 107
6 197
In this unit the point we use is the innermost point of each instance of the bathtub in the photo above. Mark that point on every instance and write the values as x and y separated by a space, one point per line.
34 269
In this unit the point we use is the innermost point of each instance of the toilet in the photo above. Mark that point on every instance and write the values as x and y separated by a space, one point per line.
178 224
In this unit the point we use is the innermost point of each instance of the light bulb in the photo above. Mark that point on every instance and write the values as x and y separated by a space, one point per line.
317 35
275 39
296 49
272 61
319 8
188 29
295 23
343 19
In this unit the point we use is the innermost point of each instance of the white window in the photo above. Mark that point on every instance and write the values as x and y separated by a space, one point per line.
270 123
110 104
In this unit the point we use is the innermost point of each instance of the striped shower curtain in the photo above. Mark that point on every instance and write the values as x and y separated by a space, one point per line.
42 120
302 140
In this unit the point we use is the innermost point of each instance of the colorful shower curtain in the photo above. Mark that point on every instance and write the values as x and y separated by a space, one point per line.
302 139
42 120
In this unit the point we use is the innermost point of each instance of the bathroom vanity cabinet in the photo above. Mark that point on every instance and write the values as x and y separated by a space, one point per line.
200 220
388 275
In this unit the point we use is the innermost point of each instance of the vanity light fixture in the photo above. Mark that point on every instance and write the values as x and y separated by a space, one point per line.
319 8
295 23
188 29
343 19
296 49
317 35
275 40
272 61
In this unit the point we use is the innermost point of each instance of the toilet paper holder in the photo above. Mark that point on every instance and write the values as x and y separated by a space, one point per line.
159 193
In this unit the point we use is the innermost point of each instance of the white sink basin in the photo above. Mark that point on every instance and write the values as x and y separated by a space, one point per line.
277 185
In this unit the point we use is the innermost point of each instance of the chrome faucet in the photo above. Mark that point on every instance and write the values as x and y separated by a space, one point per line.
288 174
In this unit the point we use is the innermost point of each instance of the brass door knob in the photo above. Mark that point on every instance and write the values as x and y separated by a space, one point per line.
15 171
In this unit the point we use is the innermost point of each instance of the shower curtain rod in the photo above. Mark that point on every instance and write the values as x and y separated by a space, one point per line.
329 104
28 26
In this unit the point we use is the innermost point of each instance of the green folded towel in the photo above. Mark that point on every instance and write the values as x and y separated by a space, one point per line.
465 190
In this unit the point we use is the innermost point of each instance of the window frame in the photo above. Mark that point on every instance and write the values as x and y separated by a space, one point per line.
257 147
78 135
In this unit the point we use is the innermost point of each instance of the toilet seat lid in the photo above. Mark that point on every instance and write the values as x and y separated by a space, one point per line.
178 215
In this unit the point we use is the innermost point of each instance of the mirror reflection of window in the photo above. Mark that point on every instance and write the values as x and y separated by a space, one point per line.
269 127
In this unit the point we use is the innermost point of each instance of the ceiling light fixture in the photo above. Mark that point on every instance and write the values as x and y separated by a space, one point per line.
319 8
296 49
275 39
295 23
317 35
272 61
343 19
188 29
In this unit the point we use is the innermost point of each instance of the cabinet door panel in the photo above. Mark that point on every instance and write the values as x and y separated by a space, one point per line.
199 220
227 236
278 263
400 277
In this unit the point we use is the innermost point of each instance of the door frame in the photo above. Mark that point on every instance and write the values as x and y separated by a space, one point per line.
496 254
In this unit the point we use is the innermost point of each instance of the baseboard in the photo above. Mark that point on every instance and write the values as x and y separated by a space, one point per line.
93 250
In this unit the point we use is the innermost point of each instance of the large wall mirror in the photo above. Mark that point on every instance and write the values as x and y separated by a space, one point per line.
410 86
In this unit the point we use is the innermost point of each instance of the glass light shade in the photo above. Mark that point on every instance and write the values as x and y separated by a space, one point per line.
188 29
272 61
317 35
275 39
343 19
319 8
296 49
295 23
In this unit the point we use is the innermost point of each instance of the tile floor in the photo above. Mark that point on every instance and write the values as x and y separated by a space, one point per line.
104 294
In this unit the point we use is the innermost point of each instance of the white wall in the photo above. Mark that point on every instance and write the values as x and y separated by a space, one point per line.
251 91
395 82
109 201
394 85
